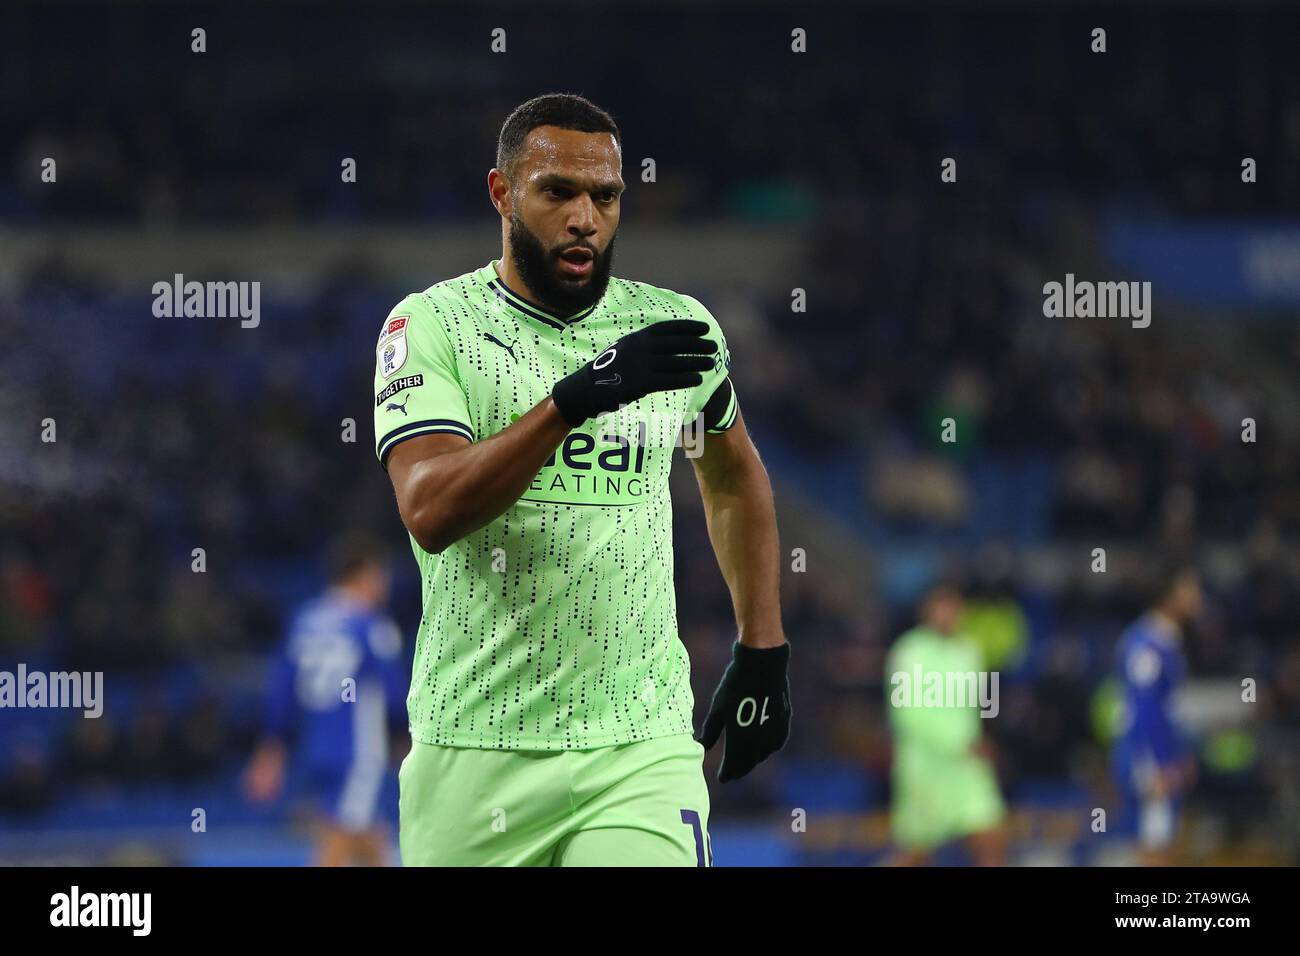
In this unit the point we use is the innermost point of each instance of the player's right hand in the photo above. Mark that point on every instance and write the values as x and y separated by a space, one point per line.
659 358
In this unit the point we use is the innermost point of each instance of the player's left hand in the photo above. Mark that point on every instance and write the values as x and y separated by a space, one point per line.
753 703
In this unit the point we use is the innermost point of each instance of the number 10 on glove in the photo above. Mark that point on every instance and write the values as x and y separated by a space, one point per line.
752 703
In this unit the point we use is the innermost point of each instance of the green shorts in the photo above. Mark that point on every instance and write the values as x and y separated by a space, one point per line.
638 804
942 798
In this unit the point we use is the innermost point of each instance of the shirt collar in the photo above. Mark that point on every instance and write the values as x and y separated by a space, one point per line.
521 306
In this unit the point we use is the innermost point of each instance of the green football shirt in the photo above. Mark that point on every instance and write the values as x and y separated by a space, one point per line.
941 788
923 661
553 627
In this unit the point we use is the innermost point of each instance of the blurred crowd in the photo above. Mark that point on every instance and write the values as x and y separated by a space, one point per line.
246 132
1072 434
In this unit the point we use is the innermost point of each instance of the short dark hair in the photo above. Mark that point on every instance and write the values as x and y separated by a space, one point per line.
948 585
565 110
1168 572
353 552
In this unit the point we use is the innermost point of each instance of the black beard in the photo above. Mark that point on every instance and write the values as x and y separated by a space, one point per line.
538 268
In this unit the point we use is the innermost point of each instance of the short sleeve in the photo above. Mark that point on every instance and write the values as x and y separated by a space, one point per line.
417 389
714 398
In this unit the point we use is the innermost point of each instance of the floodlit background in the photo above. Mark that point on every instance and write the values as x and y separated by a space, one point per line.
774 171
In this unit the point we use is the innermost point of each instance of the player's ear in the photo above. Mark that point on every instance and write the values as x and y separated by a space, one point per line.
500 192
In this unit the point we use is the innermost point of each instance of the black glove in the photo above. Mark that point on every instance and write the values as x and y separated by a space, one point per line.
753 703
658 358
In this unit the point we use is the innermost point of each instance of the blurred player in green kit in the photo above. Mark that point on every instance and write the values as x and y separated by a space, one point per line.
944 785
527 414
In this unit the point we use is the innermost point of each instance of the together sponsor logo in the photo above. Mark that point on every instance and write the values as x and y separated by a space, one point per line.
74 690
75 908
401 385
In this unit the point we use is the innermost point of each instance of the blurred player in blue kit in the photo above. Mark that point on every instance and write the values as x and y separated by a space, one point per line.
1151 758
336 690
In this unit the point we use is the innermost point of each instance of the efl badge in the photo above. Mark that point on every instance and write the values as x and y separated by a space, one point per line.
391 353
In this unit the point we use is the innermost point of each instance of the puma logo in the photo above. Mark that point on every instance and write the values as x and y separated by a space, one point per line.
394 407
509 348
